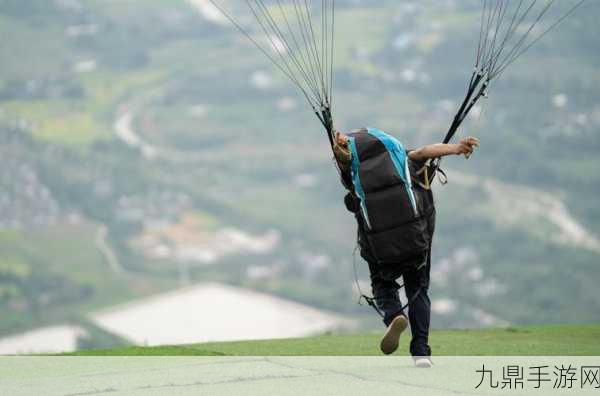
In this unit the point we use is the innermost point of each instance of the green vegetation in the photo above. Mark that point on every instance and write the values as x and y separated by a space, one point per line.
518 341
59 275
252 157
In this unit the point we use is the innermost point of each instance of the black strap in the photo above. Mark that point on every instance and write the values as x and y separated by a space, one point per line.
434 169
442 176
324 115
369 300
372 300
477 88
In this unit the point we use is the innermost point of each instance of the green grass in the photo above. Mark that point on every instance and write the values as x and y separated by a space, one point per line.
559 340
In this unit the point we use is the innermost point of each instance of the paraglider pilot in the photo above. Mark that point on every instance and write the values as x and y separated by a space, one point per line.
390 196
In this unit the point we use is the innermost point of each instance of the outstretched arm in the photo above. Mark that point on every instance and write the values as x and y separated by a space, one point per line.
465 147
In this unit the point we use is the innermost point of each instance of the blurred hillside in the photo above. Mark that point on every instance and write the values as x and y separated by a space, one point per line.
146 145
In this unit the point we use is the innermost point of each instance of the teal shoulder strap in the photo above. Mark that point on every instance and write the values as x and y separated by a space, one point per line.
356 179
400 160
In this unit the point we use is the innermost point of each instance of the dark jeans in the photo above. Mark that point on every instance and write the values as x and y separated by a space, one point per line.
385 288
385 291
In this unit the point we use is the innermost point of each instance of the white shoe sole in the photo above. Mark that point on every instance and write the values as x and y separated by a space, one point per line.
391 338
423 363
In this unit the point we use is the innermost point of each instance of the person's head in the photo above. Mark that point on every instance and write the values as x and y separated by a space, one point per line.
341 150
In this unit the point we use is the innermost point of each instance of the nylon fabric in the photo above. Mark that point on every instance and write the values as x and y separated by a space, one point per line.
399 158
394 230
358 189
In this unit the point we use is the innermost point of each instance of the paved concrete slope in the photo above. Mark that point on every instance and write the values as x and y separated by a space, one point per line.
272 375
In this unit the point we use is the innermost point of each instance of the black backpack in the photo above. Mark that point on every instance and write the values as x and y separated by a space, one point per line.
392 212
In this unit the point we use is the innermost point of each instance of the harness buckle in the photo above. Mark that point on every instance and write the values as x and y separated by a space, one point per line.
425 172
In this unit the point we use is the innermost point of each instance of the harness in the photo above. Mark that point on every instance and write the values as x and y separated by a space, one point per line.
428 171
394 217
371 300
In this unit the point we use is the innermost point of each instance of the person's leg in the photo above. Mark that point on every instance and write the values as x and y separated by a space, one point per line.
419 309
385 293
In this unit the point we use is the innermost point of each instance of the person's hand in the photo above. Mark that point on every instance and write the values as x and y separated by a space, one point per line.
467 146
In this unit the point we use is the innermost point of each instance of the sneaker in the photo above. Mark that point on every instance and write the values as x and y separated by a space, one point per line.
423 362
389 342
